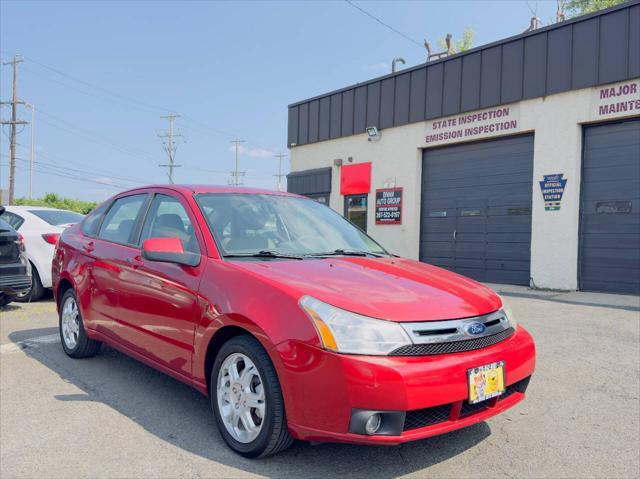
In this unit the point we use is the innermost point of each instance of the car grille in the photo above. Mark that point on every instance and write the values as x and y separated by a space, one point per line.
426 417
434 415
452 347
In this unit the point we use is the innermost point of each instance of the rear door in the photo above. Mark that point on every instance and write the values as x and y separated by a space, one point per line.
116 243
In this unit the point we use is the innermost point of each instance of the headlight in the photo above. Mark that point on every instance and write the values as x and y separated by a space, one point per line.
346 332
508 313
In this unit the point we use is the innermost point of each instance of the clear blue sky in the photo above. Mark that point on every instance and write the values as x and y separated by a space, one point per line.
230 68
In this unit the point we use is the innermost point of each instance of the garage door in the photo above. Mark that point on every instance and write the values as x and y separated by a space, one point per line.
610 209
476 209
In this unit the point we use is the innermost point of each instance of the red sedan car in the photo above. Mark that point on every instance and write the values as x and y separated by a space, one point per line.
294 322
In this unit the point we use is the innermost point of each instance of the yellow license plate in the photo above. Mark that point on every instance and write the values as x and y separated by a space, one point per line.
486 382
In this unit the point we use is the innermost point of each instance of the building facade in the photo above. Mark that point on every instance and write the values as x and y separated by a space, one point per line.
516 162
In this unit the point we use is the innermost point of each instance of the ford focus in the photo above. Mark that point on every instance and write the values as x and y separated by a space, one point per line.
294 322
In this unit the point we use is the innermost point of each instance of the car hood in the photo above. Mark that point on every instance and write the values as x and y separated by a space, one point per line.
394 289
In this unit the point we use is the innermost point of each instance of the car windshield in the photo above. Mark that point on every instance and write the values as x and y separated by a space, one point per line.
272 225
57 217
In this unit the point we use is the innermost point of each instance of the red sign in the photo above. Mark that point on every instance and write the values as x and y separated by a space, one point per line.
389 206
355 179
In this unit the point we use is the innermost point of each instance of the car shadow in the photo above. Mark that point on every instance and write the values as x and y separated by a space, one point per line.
182 417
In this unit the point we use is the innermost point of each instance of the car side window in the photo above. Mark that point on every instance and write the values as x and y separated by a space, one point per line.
91 223
167 218
121 219
14 220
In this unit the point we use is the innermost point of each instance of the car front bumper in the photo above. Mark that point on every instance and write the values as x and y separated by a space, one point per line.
323 389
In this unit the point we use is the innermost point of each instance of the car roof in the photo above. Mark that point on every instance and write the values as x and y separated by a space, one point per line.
32 207
201 189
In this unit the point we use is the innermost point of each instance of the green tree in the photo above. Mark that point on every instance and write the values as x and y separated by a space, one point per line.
462 45
52 200
580 7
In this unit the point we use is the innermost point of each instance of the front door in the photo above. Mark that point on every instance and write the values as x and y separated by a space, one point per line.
161 308
355 210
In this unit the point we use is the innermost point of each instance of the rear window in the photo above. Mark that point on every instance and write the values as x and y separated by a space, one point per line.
92 222
57 217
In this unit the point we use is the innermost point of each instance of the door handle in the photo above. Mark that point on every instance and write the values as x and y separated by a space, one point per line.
135 262
455 233
89 247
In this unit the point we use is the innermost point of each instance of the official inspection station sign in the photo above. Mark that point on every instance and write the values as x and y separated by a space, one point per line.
552 187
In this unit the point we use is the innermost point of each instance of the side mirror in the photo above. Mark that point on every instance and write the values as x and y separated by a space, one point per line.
1 210
168 250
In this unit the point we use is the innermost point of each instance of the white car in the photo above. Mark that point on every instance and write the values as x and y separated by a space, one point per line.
40 227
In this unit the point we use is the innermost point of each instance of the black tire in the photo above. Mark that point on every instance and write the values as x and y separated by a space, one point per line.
84 347
4 300
274 436
37 290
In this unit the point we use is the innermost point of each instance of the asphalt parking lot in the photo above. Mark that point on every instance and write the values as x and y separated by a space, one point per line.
111 416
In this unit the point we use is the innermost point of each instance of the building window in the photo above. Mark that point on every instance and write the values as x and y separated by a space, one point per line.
355 210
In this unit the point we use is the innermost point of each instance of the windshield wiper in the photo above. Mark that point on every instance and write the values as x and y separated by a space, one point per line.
347 252
263 254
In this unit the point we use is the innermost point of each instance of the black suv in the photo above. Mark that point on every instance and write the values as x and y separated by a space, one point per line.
15 270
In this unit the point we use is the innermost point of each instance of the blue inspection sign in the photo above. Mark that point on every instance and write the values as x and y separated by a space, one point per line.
552 187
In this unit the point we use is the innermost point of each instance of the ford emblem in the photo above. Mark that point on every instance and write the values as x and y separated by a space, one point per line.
475 328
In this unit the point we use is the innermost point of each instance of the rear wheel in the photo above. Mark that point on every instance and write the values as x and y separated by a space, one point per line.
75 341
37 290
247 399
4 300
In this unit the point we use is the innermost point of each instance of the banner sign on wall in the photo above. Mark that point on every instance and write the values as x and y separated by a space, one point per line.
552 187
389 206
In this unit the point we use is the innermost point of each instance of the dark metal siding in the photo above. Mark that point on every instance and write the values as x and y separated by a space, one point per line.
360 110
470 96
476 209
303 121
386 103
490 77
591 50
610 208
535 66
310 182
347 113
401 108
418 95
435 75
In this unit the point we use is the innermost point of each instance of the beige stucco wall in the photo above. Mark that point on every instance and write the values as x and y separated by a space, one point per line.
556 122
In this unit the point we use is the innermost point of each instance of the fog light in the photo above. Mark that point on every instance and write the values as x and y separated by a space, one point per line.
373 424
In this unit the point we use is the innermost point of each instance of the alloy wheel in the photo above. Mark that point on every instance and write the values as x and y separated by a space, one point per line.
241 397
70 323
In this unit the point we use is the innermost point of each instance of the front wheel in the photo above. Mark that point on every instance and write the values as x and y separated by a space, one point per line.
247 399
75 341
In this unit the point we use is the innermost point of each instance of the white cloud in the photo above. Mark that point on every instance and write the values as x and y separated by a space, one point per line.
105 180
252 152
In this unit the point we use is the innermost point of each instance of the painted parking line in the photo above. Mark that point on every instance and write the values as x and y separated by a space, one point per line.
29 343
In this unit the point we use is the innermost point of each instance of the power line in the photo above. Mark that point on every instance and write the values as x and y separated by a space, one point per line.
373 17
97 87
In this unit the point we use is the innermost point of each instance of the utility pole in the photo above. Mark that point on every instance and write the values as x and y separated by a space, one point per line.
236 174
14 122
170 146
280 157
32 150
